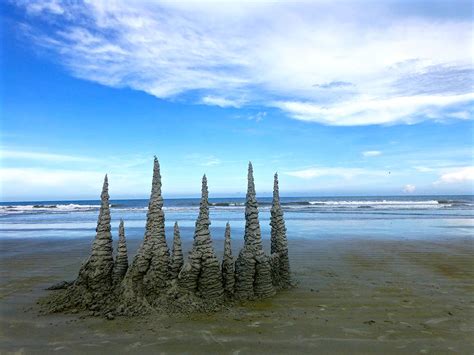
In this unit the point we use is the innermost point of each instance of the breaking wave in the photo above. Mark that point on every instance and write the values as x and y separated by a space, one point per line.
38 208
289 204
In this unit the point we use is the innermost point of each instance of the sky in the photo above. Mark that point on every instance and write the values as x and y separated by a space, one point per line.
341 98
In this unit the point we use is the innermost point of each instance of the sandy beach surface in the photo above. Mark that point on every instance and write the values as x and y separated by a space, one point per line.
354 296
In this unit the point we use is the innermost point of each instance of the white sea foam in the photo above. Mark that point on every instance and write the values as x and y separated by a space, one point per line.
237 206
370 203
381 204
46 208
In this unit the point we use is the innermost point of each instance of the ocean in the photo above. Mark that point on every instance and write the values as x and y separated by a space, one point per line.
384 217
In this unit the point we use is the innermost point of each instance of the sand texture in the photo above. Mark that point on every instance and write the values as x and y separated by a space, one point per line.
353 296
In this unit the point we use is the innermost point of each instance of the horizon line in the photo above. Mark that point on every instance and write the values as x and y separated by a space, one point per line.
239 197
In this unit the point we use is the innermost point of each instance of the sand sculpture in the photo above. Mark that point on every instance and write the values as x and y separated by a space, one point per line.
121 260
279 244
156 280
177 259
149 271
96 273
201 273
252 268
228 265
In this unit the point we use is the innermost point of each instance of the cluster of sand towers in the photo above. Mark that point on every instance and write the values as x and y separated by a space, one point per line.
158 280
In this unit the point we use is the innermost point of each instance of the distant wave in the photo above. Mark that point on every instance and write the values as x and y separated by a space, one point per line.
47 208
226 204
380 204
296 203
375 202
452 202
288 205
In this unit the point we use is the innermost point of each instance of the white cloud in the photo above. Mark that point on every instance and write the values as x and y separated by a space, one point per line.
371 153
346 173
365 65
401 109
203 159
409 188
258 116
27 183
46 157
211 162
35 7
458 175
220 101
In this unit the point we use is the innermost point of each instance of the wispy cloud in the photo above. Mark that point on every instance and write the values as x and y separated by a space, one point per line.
272 54
409 188
459 175
371 153
45 157
221 101
44 6
367 111
26 183
211 162
33 183
334 85
203 159
346 173
258 116
423 169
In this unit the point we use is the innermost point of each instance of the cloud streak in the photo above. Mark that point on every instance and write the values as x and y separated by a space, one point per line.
456 176
43 157
342 172
369 111
371 153
344 70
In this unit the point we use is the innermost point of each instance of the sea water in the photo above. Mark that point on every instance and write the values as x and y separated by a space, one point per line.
385 217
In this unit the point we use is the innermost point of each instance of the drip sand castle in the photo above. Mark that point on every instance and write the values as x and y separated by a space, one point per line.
158 280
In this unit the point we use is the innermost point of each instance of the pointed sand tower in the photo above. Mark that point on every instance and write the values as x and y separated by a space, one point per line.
252 268
228 267
177 258
96 273
279 243
149 272
202 272
121 260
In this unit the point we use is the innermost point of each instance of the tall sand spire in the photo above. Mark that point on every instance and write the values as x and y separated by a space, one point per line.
202 272
149 270
228 267
96 273
253 270
121 260
177 255
279 243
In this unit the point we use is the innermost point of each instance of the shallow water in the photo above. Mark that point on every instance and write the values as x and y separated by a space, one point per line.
386 217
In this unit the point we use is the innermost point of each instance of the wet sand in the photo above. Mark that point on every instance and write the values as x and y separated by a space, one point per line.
354 296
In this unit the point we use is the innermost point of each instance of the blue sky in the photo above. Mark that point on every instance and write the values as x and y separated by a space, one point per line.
353 98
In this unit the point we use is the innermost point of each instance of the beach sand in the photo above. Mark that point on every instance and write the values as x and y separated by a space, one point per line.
354 296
